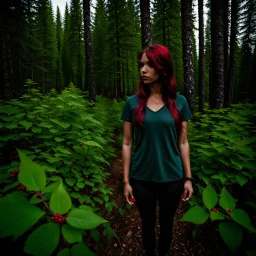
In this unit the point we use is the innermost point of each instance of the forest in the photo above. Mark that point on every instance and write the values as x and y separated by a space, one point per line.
63 84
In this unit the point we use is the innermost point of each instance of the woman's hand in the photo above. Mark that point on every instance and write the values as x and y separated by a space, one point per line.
188 190
128 194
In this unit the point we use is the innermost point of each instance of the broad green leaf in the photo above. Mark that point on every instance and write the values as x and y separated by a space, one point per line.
51 187
207 153
70 181
210 198
65 252
36 129
252 204
26 124
227 202
63 150
95 235
86 207
206 180
217 144
238 164
81 250
59 139
43 240
92 143
71 234
80 185
196 215
60 201
216 216
31 174
13 185
80 218
35 200
241 179
232 234
17 215
241 217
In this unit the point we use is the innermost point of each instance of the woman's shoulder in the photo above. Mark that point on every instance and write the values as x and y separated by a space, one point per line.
132 99
180 98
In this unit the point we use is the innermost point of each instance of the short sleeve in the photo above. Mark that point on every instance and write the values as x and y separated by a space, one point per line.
185 111
127 112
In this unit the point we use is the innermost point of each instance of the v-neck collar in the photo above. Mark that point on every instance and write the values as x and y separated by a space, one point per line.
157 110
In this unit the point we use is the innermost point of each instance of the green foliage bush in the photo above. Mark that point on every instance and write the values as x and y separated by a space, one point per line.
223 154
67 137
53 219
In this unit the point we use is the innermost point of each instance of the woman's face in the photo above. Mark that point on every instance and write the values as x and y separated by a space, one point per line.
148 73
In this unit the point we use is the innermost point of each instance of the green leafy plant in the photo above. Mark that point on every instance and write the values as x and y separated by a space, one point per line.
223 154
67 138
55 217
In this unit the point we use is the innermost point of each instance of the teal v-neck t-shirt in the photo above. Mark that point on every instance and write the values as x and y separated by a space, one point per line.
156 156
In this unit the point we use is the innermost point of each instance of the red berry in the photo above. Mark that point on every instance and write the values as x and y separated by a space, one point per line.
80 144
34 117
229 212
72 164
86 177
13 174
242 138
133 200
37 194
214 210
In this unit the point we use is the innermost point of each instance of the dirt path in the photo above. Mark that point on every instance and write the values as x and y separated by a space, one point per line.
128 226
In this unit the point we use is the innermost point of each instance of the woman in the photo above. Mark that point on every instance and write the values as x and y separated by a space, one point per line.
155 150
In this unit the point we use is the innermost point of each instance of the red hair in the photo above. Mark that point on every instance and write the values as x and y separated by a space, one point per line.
160 59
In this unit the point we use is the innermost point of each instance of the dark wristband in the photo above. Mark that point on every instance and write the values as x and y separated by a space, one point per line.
188 178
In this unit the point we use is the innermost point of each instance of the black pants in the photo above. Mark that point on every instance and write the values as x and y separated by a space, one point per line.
168 195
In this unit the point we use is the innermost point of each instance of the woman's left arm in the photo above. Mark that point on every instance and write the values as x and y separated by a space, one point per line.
185 157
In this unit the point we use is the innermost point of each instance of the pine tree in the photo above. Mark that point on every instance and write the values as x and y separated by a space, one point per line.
88 49
217 41
46 36
231 70
166 17
59 35
76 43
186 15
65 52
145 23
99 45
201 90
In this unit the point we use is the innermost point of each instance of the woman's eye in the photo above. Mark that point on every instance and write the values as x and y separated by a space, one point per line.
149 64
141 65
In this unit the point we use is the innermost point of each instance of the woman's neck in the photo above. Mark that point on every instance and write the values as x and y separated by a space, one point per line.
156 89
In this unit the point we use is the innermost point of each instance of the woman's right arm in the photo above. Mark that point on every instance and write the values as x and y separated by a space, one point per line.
126 159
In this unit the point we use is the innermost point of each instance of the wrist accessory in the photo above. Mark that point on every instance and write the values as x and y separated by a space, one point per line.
188 178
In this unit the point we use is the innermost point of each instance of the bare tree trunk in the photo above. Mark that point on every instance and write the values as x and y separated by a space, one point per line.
217 53
88 50
188 59
226 40
252 87
145 23
201 55
231 71
7 84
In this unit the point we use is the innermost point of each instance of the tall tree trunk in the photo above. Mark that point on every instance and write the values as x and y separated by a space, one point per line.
145 23
186 16
217 53
231 70
164 22
88 50
201 55
226 40
252 87
7 84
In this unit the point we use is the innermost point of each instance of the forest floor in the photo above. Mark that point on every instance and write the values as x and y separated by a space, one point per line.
128 226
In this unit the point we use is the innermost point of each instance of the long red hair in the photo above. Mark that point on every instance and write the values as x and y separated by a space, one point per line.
160 59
